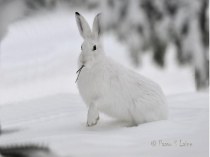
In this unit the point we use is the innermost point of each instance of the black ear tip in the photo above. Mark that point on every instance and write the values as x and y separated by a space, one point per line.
76 13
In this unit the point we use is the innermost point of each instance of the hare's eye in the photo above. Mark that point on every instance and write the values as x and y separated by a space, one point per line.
94 47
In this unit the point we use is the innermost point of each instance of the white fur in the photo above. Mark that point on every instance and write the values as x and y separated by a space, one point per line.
108 87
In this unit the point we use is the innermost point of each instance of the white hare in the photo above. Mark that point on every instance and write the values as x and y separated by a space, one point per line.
109 87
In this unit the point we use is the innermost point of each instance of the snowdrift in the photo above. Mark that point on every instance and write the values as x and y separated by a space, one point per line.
60 122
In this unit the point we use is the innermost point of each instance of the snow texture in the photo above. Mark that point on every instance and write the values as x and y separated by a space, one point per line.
59 121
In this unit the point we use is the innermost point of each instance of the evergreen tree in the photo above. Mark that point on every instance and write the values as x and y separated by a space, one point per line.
149 24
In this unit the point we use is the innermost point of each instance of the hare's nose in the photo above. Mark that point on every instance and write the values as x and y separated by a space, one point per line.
83 62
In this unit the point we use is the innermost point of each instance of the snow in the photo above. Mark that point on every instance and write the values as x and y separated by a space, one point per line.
39 100
60 121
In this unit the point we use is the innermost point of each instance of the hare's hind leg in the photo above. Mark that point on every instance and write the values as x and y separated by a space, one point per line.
93 115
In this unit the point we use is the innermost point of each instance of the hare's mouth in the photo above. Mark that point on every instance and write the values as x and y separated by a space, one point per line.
79 71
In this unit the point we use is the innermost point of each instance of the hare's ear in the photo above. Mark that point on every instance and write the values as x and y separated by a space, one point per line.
83 26
97 26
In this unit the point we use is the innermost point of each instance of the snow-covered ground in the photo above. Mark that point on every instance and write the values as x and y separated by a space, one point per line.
60 121
39 100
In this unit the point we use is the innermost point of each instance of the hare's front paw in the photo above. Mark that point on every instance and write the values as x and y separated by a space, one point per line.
92 121
93 116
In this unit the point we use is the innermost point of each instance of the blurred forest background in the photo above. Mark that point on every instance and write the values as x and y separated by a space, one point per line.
141 25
